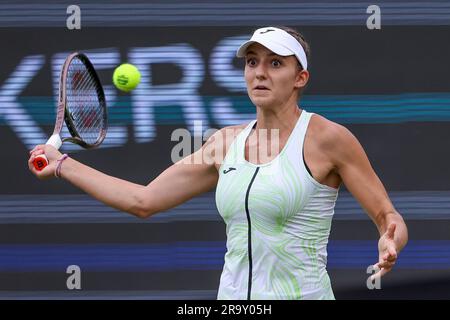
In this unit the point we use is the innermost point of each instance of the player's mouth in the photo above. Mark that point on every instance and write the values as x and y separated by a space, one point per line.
260 87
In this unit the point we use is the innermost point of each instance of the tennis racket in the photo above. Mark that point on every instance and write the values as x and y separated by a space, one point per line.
81 105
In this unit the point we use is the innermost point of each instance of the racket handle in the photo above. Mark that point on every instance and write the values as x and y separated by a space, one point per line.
41 161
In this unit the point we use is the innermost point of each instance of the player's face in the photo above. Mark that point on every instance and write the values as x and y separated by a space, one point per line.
272 80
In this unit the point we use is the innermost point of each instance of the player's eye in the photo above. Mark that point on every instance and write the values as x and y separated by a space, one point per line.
276 63
251 62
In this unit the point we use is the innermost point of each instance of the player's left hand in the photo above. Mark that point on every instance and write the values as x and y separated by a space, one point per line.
387 252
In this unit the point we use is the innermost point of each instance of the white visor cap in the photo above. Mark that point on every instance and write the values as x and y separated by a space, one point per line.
277 41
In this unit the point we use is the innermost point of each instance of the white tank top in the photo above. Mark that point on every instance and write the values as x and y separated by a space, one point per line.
278 220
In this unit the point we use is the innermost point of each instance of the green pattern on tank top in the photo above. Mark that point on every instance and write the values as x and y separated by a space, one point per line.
290 216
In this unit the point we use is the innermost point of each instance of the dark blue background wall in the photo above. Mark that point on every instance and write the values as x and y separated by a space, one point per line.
390 87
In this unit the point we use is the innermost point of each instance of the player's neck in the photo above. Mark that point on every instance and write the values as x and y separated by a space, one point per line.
284 118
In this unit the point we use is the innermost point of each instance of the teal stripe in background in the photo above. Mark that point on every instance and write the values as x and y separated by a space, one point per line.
398 108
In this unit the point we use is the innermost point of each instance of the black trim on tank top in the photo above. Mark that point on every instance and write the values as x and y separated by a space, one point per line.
306 166
249 240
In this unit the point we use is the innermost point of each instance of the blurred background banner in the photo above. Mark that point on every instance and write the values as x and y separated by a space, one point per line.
390 87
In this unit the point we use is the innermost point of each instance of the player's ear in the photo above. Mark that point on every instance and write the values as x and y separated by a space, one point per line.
301 78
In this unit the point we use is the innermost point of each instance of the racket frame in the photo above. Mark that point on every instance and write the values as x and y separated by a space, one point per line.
63 113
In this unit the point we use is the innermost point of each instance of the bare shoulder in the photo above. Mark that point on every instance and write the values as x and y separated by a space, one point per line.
336 141
328 134
218 143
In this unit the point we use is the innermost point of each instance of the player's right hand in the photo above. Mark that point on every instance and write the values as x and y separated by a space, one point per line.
52 155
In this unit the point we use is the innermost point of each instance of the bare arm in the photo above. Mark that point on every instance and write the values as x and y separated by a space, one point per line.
353 166
177 184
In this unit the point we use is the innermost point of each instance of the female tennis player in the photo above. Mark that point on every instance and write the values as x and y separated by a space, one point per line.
277 210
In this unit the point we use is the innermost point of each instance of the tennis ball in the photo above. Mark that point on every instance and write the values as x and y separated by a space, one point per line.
126 77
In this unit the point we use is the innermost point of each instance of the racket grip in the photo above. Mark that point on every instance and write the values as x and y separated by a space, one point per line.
40 162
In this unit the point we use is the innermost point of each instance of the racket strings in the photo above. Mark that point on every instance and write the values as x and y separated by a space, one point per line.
90 84
83 102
